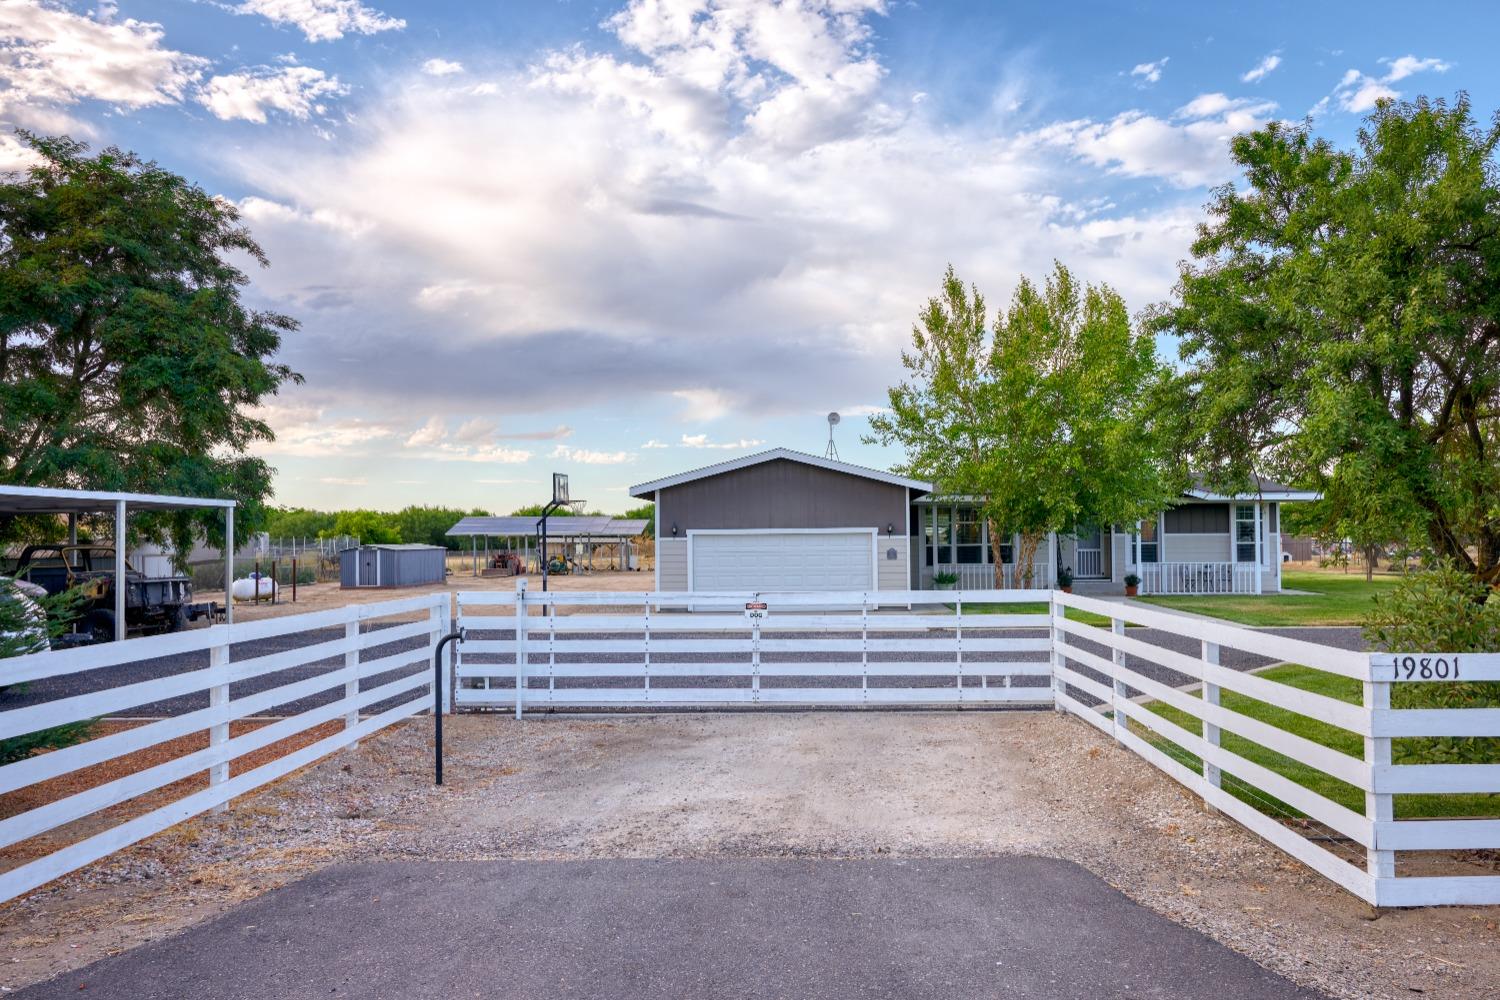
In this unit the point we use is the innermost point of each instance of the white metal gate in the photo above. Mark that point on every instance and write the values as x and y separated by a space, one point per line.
536 650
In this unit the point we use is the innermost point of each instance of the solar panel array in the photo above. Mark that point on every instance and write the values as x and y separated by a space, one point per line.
557 527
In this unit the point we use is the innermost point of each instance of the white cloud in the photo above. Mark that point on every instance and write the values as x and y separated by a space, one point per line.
1262 69
702 441
653 443
323 20
50 55
344 480
1405 66
703 404
651 234
429 433
1150 72
1357 92
249 94
442 67
1190 149
585 456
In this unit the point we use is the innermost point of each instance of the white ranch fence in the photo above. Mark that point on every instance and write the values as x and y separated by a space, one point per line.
1159 692
644 649
1197 578
410 692
1101 676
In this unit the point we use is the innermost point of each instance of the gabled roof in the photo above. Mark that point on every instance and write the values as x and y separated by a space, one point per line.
775 454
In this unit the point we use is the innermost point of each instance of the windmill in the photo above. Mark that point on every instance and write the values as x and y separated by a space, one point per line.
832 450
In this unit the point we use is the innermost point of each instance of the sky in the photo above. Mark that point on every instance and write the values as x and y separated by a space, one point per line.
622 240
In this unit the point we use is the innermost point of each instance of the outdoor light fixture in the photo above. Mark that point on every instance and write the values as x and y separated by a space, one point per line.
890 528
674 529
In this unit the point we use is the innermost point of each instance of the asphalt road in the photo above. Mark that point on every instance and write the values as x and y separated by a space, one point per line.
1016 927
130 673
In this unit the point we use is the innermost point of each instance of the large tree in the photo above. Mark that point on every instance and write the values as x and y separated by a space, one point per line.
1045 419
127 359
1340 325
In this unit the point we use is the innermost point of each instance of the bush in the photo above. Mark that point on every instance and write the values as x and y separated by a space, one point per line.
27 622
1442 610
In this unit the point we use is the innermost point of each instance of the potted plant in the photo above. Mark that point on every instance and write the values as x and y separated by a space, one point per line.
944 581
1065 579
1132 585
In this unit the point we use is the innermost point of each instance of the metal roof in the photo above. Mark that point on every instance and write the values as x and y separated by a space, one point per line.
833 465
46 500
591 526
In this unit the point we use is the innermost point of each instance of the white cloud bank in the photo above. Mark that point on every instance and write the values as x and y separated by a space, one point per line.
730 219
249 94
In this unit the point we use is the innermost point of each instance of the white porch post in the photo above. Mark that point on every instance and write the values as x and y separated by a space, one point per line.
1260 561
1276 546
933 545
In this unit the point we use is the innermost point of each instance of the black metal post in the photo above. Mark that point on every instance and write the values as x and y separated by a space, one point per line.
437 702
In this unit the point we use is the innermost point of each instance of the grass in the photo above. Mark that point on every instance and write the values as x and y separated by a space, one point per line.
1335 599
1342 688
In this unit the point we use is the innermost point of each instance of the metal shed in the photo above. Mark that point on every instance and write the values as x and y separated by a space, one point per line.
392 566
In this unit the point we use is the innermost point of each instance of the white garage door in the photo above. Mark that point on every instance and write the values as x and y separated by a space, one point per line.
782 561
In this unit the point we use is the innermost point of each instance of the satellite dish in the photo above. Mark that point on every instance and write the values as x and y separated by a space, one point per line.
833 418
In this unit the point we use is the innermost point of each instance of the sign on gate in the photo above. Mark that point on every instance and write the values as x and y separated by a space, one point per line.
756 611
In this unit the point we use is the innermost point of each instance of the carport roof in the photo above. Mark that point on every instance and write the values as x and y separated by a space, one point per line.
591 526
833 465
47 500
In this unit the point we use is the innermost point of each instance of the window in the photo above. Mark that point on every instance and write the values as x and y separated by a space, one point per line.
1006 549
944 518
1150 544
967 536
1244 532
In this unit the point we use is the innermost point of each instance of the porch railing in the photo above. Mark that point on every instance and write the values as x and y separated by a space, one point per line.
1089 563
977 576
1197 578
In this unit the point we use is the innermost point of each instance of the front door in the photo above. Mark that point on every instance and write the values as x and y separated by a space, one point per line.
1088 555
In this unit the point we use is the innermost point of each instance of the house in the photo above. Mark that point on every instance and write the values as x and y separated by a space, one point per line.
784 520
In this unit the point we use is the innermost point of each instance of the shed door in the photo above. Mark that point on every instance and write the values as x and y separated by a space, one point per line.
367 562
822 560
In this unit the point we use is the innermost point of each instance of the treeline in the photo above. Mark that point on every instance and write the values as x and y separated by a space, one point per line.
422 524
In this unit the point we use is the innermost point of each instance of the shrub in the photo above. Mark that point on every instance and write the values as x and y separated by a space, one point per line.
1441 610
28 621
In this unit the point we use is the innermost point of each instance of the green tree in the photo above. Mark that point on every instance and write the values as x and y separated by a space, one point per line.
1045 419
371 527
646 512
429 525
1340 326
127 360
298 522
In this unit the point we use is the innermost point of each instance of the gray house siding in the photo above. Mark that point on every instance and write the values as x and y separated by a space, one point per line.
782 494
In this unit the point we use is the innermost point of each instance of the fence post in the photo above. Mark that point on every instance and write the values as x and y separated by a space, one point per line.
1379 806
437 629
351 668
1117 657
523 657
218 698
1210 656
1054 609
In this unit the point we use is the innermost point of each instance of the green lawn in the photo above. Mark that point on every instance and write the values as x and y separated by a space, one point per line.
1336 599
1344 689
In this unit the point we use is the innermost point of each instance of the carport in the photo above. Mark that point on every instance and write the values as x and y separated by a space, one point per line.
45 500
519 531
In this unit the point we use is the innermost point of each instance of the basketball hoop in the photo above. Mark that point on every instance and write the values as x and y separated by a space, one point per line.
578 506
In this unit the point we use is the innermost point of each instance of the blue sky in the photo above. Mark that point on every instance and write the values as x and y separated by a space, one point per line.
620 240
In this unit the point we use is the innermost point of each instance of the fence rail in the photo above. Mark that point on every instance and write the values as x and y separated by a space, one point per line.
410 692
1197 578
522 653
1100 675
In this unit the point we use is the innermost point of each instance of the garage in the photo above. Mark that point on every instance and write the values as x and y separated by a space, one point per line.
783 520
781 560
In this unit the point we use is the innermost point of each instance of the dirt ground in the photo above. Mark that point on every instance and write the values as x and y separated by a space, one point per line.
325 596
708 785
